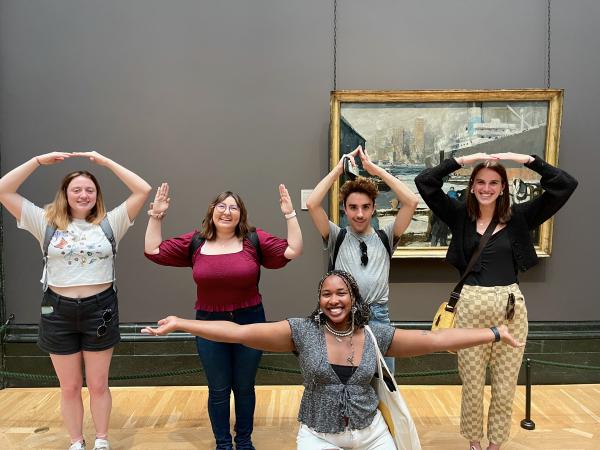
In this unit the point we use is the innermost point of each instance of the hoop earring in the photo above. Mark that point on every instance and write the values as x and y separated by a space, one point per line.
318 316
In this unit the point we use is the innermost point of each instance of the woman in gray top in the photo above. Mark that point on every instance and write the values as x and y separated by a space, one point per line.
339 406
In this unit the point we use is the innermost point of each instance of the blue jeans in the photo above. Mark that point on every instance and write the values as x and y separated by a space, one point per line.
381 314
231 367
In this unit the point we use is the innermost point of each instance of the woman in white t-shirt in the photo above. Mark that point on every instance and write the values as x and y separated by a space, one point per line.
79 325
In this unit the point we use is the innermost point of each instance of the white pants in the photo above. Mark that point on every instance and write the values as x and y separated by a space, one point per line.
375 436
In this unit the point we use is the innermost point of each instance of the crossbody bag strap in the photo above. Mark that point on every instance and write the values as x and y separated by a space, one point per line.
455 295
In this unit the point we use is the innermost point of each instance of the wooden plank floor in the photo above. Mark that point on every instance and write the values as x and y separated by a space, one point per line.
567 418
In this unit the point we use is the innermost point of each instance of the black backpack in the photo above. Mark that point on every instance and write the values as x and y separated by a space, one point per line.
106 229
340 239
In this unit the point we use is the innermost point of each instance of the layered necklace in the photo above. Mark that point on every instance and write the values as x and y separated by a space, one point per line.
338 335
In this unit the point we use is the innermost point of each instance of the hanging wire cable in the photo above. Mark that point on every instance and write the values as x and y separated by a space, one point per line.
334 44
548 27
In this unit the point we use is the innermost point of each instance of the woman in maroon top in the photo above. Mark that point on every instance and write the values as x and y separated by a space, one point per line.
226 268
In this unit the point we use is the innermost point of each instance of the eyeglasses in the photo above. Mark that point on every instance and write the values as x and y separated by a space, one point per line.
222 207
510 307
364 258
106 318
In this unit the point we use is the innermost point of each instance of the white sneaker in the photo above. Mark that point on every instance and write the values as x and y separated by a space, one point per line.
101 444
79 445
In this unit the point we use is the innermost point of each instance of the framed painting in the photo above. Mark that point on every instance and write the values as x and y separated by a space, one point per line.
406 131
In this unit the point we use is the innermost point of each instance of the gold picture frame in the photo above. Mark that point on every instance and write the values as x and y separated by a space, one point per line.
405 131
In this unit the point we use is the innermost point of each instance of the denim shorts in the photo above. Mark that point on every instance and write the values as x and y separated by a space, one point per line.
70 325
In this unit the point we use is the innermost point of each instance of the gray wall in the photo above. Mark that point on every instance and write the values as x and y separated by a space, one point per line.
214 95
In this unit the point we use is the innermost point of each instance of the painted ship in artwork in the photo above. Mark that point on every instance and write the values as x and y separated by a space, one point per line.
493 136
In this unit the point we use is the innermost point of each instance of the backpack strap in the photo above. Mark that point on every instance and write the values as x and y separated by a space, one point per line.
252 236
195 244
385 241
50 230
338 242
108 233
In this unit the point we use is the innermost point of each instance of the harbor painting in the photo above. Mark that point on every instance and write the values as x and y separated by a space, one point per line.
406 131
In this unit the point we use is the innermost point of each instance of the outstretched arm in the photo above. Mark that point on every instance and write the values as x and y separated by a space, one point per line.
407 198
294 234
314 200
158 210
136 184
422 342
272 337
10 182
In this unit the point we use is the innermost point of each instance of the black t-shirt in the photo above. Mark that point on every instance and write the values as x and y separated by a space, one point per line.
497 262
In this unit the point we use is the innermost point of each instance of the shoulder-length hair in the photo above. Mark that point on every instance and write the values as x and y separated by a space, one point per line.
361 313
209 231
58 213
502 212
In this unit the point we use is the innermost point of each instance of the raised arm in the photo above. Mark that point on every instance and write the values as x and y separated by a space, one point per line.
294 234
557 184
314 200
10 182
158 210
406 197
272 337
422 342
136 184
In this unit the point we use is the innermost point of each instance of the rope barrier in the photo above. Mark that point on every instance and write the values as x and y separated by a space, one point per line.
566 365
174 373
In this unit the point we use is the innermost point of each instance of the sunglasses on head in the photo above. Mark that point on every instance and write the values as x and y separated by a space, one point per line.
364 257
106 318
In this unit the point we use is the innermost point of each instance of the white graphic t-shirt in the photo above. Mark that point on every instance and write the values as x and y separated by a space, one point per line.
81 255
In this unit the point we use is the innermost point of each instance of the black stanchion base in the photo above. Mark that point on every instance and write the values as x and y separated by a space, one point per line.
528 424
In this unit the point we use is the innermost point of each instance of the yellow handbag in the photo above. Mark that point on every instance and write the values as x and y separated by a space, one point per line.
444 317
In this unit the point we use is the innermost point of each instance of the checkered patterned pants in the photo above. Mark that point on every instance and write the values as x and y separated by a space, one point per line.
484 307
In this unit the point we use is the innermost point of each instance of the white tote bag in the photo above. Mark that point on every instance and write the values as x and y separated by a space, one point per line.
392 406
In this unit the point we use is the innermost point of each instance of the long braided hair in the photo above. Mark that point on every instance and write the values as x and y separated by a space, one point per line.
361 313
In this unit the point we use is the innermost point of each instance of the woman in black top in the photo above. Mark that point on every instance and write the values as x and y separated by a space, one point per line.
491 292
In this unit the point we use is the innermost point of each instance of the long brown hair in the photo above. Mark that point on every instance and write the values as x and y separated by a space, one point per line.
58 213
209 231
502 211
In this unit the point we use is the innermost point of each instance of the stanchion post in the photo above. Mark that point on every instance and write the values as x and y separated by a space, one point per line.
527 423
3 381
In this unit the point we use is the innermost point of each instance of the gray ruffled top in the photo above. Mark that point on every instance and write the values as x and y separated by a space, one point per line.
326 401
